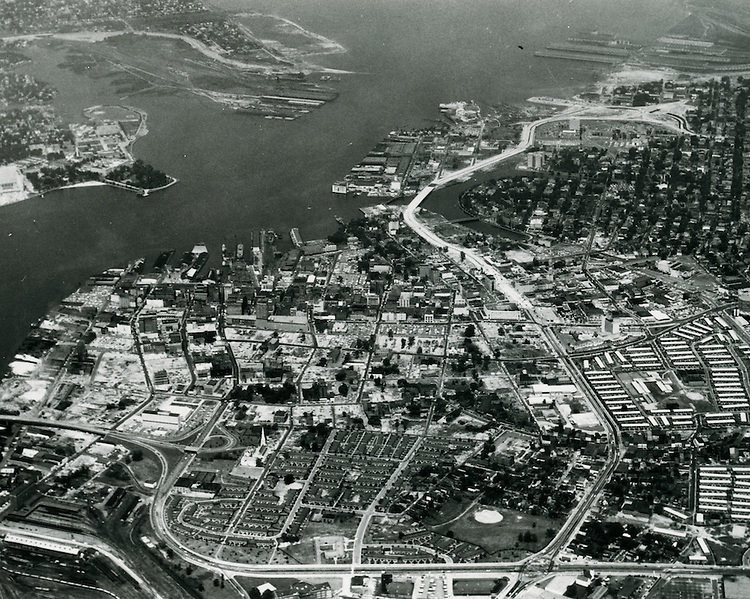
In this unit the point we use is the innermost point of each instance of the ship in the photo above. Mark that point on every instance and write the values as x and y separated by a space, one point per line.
296 237
186 259
162 260
199 256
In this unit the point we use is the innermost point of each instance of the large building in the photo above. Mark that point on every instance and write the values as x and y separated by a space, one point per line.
12 185
46 545
536 160
11 180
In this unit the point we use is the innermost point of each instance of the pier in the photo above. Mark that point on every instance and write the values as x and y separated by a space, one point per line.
141 191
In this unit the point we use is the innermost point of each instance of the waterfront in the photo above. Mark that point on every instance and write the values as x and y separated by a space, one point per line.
234 170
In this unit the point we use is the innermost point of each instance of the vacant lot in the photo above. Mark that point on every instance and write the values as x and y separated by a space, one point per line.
480 586
688 588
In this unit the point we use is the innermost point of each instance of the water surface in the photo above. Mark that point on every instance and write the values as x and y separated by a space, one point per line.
240 173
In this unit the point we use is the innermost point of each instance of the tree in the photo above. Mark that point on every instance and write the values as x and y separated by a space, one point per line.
288 479
338 237
344 389
118 472
470 331
137 454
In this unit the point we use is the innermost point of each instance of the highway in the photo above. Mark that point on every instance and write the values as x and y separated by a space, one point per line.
326 570
73 426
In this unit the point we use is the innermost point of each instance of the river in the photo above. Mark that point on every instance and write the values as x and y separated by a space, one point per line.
240 173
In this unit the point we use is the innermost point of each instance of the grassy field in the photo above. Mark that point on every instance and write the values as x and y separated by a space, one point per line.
447 511
215 441
297 553
400 589
503 535
146 470
727 551
321 529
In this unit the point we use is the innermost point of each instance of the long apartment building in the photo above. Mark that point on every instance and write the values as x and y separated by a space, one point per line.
724 490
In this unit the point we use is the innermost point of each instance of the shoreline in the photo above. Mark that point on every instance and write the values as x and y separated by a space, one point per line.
92 37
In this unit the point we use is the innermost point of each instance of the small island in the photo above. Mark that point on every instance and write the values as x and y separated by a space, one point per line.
141 176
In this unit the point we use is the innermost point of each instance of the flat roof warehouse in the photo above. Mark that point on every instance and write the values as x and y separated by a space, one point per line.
36 543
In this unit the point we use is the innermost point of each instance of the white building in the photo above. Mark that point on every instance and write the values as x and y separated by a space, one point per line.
13 187
11 179
535 160
166 420
45 544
